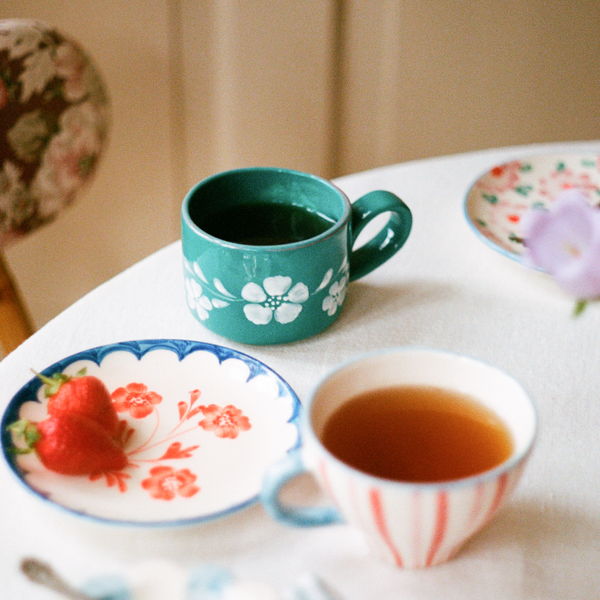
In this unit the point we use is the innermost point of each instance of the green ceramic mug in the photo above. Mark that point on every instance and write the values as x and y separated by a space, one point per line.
268 253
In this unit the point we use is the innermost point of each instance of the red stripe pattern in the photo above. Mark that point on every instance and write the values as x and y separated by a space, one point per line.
417 527
441 522
379 518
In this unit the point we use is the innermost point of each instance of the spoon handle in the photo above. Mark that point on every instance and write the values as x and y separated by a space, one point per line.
42 573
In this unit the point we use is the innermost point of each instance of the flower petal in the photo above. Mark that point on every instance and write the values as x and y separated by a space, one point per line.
253 292
221 288
201 312
191 300
560 236
326 279
137 388
204 302
565 242
330 305
335 288
198 272
193 287
257 314
299 293
278 285
154 398
287 312
219 303
582 278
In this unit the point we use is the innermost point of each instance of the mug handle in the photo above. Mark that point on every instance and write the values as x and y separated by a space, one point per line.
388 241
299 516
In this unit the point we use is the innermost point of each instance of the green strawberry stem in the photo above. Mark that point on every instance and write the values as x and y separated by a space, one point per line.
54 383
26 430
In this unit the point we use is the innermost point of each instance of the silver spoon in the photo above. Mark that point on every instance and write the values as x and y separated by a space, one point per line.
45 575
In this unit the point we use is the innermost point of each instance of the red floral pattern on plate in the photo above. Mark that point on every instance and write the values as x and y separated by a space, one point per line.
226 422
498 200
140 402
501 178
136 399
165 483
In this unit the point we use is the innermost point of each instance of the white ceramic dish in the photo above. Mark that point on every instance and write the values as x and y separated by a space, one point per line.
208 423
497 201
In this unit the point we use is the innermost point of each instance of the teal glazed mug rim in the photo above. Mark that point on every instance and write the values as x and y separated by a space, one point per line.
335 227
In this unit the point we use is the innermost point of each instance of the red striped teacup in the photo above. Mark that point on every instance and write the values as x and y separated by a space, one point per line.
412 524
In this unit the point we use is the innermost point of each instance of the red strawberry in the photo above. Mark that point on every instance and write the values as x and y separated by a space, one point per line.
72 445
83 395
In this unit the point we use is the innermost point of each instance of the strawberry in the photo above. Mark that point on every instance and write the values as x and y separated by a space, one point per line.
83 395
71 444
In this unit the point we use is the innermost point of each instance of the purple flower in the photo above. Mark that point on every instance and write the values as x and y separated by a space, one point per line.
565 242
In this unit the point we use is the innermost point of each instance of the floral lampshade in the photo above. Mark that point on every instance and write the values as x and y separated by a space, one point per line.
54 121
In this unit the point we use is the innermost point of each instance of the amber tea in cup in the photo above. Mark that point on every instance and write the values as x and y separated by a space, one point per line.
417 434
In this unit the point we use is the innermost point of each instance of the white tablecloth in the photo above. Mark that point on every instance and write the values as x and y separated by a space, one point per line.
444 289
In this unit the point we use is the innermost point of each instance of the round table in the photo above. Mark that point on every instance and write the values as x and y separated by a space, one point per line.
444 289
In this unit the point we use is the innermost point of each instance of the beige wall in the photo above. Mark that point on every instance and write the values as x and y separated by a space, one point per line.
430 77
318 85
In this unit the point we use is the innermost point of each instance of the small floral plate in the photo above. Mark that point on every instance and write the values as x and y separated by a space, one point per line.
497 201
205 422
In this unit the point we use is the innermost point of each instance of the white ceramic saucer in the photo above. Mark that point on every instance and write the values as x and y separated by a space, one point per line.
207 422
497 201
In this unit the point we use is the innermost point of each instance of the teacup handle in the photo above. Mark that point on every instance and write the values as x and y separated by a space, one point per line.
388 241
299 516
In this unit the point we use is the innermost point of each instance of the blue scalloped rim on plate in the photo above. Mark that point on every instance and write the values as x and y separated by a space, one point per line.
182 470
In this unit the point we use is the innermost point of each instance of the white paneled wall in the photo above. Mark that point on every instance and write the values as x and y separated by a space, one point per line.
326 86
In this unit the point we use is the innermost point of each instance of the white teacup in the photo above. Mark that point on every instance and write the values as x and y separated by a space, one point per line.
410 524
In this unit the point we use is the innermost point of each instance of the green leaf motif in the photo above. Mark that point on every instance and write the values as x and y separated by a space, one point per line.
524 189
516 239
491 198
525 168
586 162
481 223
560 167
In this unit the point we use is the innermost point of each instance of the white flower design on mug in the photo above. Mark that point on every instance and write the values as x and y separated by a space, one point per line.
196 300
337 293
276 298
